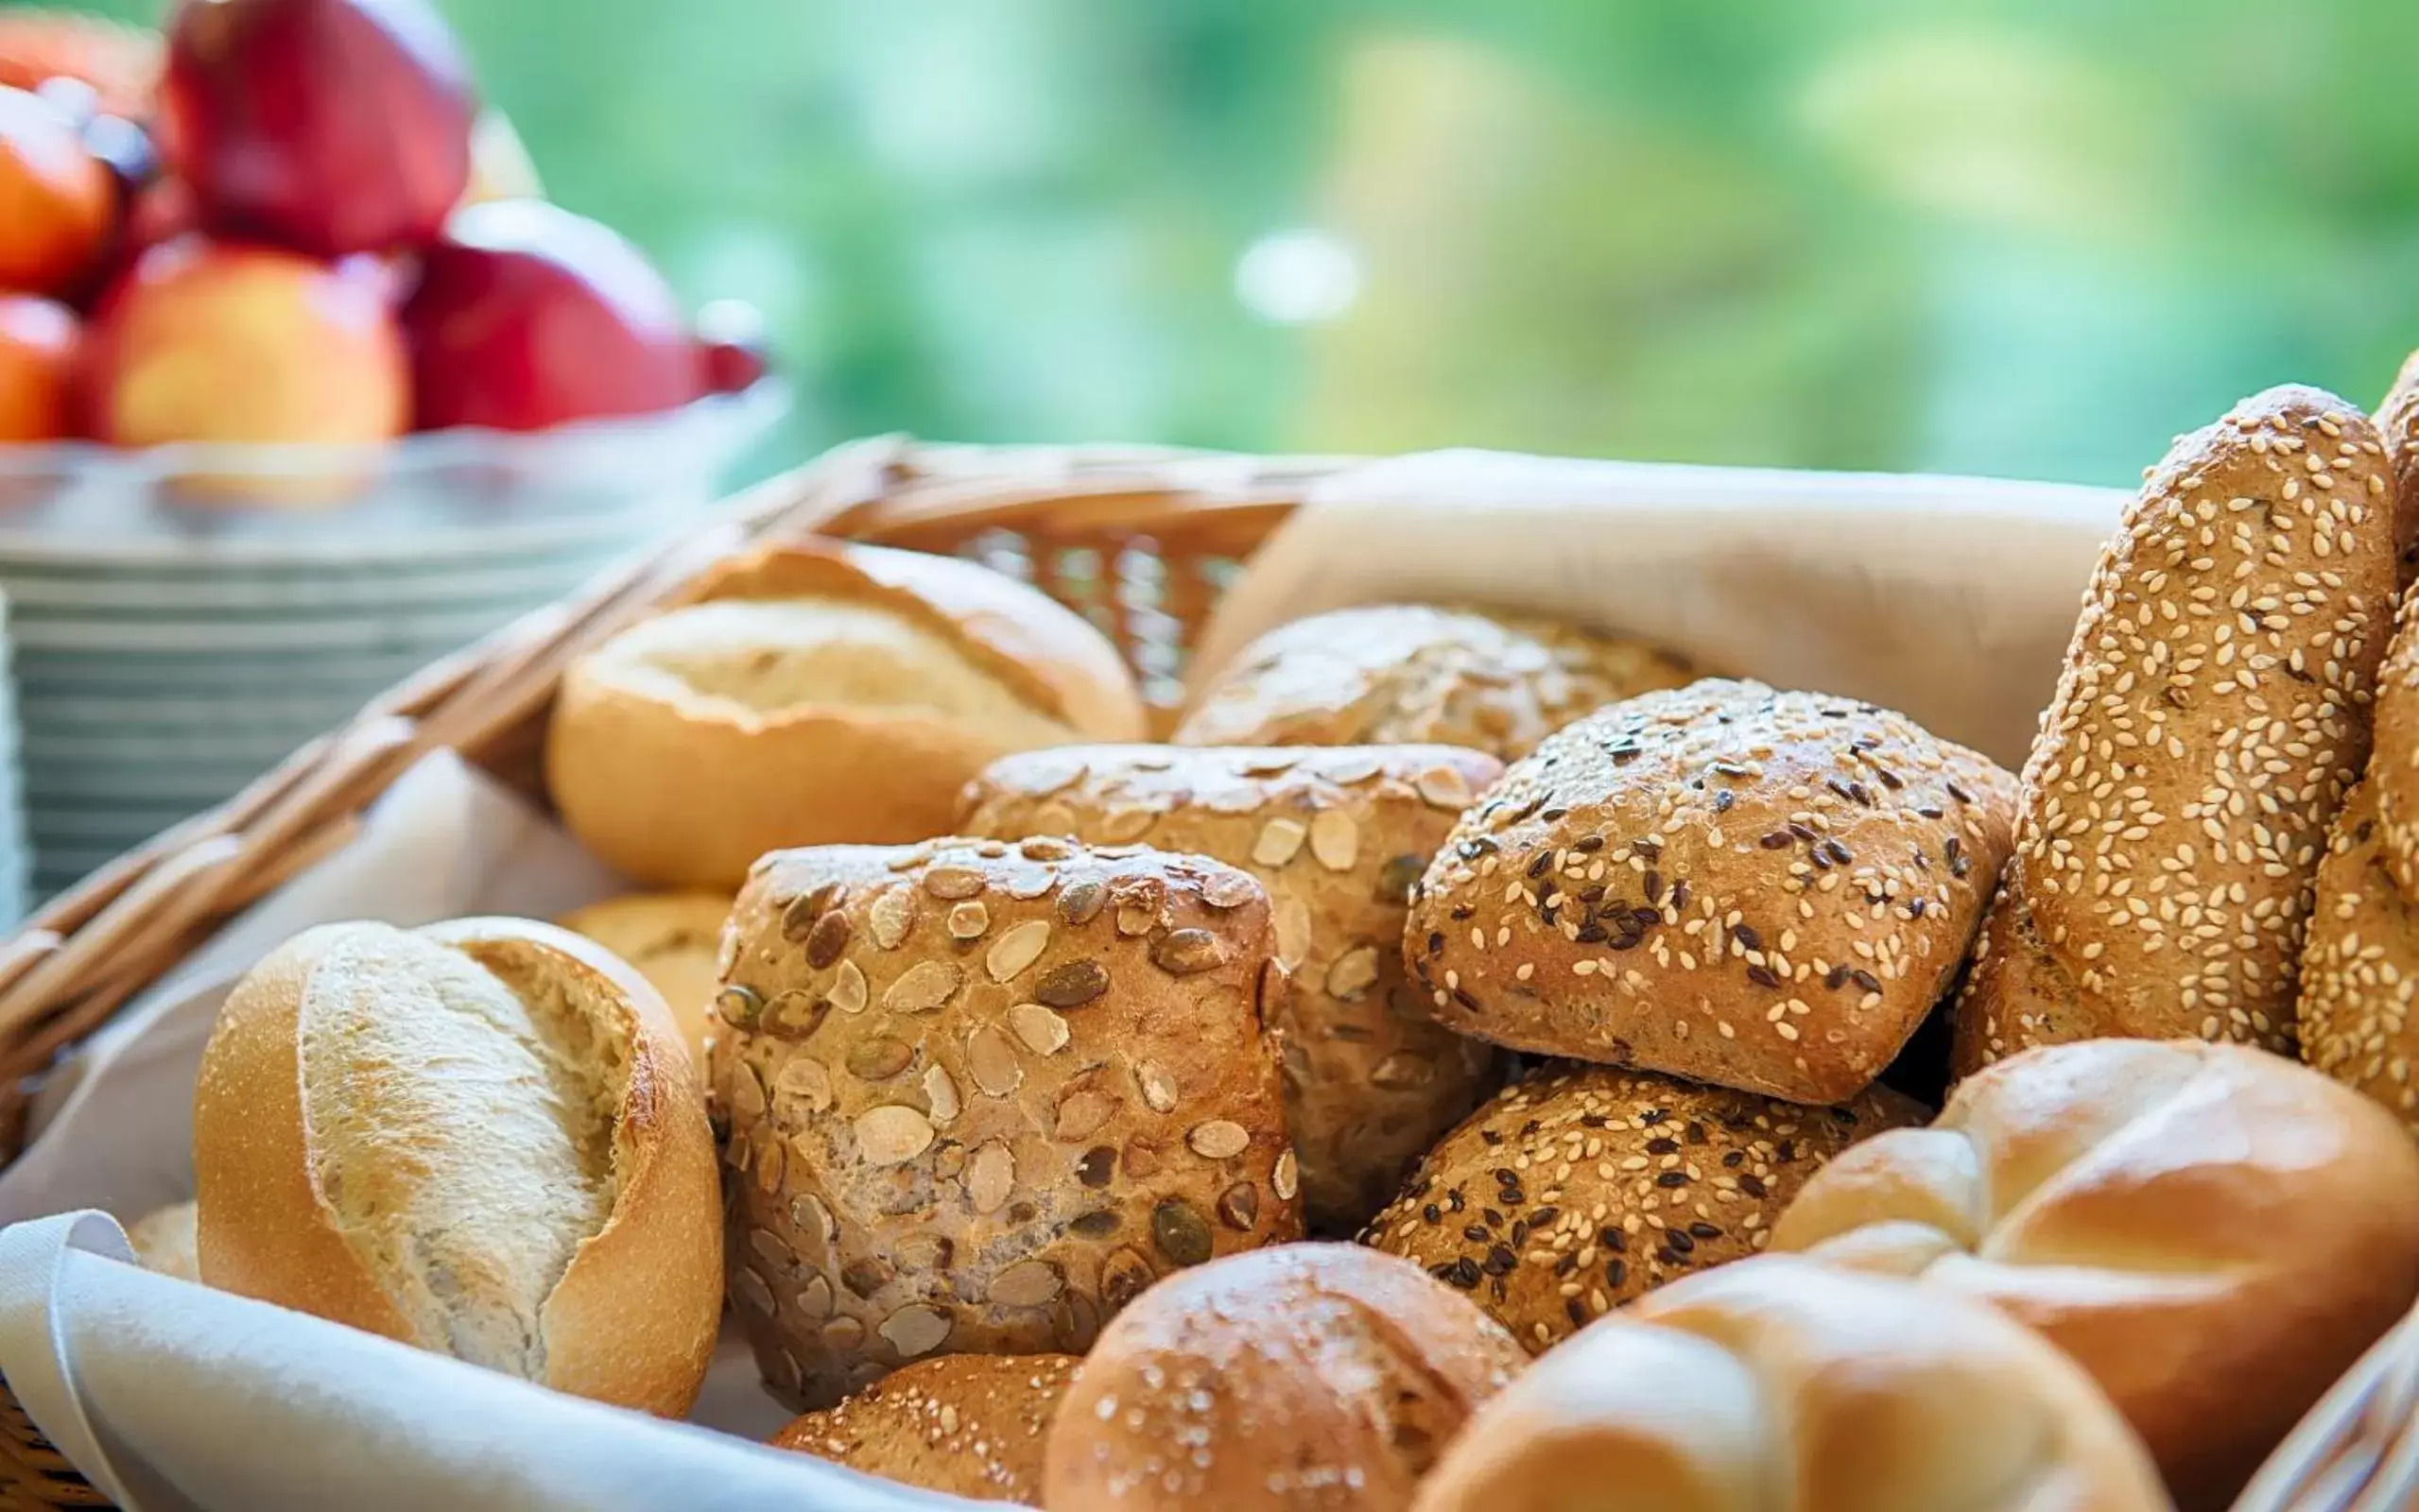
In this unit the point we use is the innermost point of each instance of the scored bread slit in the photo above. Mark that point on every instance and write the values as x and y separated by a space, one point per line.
461 1112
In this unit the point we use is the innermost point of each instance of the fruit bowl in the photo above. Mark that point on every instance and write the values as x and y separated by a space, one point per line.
182 622
82 497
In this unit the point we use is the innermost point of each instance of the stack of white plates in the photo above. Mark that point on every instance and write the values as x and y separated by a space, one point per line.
169 650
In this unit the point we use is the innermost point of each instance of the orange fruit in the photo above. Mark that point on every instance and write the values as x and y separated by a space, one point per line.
37 362
56 197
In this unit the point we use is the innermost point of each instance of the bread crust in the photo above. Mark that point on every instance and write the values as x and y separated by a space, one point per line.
632 1317
969 1425
1777 1382
2360 966
2213 711
2214 1232
2398 422
1620 1182
681 793
1336 835
980 1095
1417 673
1758 890
1299 1378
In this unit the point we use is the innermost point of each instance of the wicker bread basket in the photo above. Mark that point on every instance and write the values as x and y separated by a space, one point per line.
1140 541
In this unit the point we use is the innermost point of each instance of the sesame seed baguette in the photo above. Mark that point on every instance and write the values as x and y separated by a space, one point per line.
969 1425
1336 835
1756 889
1408 673
2360 966
1586 1187
979 1095
2213 711
2398 421
1305 1378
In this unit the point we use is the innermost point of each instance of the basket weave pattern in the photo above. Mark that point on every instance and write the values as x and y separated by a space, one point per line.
1139 541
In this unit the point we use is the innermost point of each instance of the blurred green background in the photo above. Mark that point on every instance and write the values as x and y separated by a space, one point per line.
2027 239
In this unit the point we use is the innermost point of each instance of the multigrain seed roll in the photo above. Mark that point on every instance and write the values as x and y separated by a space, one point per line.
1307 1378
968 1425
980 1095
1413 673
1586 1187
2212 715
2214 1232
1780 1386
1337 836
1757 890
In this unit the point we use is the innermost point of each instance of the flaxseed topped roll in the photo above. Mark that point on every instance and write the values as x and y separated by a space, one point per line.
2213 711
1412 674
980 1095
1757 890
1586 1187
1338 836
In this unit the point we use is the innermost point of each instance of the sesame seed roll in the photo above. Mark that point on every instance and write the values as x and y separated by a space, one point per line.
2213 711
969 1425
1757 890
1586 1187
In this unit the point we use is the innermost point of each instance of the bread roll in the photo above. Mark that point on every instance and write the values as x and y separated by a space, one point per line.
1295 1380
1337 836
670 939
812 694
163 1241
969 1425
2361 965
1757 890
980 1097
2214 1232
483 1138
2398 421
1776 1386
1586 1187
2212 713
1410 674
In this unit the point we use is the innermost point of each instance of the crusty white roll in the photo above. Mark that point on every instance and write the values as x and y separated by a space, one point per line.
670 938
1305 1377
483 1138
810 695
2214 1232
1779 1386
163 1241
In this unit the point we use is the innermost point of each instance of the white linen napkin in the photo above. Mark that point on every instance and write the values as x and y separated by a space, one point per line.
1950 599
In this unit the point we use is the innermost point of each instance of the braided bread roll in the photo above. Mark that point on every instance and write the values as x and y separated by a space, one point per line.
2214 1234
2211 716
1779 1386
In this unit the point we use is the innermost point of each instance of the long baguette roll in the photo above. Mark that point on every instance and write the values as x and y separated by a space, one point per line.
2213 713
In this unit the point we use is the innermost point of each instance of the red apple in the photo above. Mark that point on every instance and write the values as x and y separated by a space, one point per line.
327 126
527 317
36 356
730 337
203 341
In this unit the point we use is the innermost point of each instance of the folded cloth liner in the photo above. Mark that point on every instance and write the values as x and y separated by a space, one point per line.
1950 599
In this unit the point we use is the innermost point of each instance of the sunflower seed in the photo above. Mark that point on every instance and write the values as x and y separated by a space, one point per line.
1353 974
848 988
1292 922
989 1176
1280 841
747 1090
992 1060
1444 787
1220 1139
1287 1174
916 1329
1027 1284
879 1059
950 883
803 1081
740 1006
1335 839
1181 1233
942 1093
1081 902
1081 1113
922 988
1239 1205
1158 1087
892 915
1125 1276
1043 1032
1072 983
1187 952
814 1297
1228 889
828 940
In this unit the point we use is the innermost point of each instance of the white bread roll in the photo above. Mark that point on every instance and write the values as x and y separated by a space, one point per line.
669 938
163 1241
2214 1232
483 1138
813 694
1779 1386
